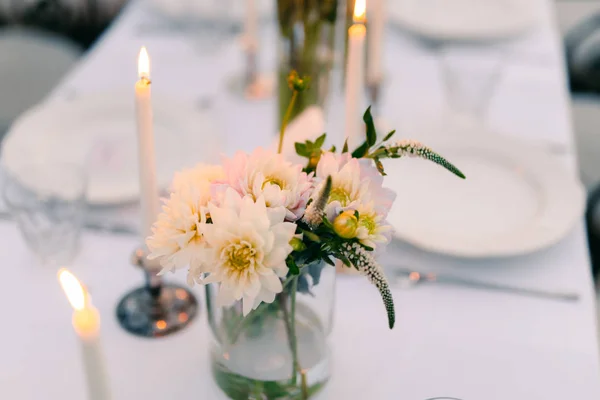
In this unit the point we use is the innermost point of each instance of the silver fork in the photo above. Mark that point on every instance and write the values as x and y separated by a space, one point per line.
411 278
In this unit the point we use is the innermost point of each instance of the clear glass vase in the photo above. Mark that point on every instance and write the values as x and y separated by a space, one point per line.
280 350
311 42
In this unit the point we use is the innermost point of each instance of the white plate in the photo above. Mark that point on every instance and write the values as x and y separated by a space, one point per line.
516 199
464 19
99 132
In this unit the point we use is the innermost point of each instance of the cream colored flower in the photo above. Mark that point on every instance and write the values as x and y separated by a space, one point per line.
348 190
197 176
249 244
177 236
372 228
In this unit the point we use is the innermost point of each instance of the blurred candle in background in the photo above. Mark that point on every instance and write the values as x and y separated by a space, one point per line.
250 43
355 74
251 26
377 21
147 162
86 322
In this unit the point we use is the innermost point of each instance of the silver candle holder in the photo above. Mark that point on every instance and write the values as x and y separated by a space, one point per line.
156 309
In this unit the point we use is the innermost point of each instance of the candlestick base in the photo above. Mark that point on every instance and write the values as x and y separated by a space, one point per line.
146 313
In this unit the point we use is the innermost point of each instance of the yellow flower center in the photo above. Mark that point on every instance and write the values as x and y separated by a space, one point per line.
368 222
273 180
341 195
240 256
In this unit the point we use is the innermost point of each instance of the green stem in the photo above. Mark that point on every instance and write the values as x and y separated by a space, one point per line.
234 333
294 342
245 322
285 121
288 330
293 339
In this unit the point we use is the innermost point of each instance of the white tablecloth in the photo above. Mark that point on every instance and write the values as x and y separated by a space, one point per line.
448 341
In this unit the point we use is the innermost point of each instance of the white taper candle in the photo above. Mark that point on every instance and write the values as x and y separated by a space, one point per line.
355 75
146 153
377 21
86 323
251 26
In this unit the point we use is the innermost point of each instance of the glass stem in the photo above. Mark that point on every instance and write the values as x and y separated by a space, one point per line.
285 121
154 283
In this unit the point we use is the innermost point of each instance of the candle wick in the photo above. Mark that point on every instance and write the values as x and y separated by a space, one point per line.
145 80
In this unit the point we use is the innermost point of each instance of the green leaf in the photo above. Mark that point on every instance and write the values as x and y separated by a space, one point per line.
332 149
293 267
345 148
389 135
301 149
320 141
371 132
311 236
361 151
379 166
327 223
344 260
329 261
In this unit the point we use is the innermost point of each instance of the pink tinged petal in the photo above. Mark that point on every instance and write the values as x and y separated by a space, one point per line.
332 210
276 214
232 200
274 196
259 179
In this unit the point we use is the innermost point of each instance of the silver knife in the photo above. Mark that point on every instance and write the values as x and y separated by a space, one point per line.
416 277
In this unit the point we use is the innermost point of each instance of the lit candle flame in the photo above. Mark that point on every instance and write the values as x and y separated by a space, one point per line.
360 11
143 64
73 289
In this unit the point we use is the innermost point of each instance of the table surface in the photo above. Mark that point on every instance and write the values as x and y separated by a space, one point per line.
448 341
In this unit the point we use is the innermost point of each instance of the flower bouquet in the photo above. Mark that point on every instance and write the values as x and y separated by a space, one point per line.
264 235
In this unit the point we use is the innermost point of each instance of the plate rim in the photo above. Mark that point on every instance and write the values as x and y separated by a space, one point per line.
401 10
502 144
185 111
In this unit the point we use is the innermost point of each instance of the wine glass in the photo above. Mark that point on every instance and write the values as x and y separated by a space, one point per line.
48 202
470 73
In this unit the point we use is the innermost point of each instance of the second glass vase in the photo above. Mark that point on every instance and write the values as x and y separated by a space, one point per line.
311 40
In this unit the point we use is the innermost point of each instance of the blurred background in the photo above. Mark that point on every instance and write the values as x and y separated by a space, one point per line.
60 31
41 40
